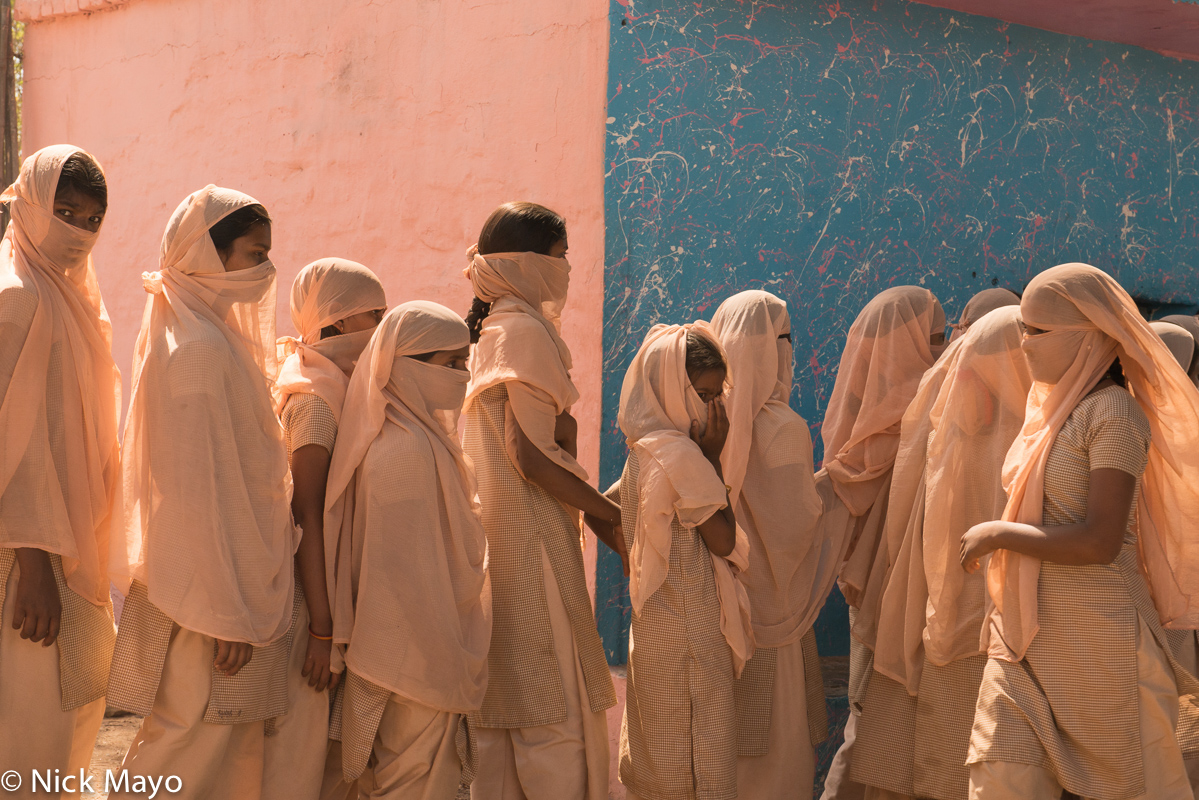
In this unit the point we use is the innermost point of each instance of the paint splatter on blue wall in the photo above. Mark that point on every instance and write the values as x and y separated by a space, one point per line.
826 151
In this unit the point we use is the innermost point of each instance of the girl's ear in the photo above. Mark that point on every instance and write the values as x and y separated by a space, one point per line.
340 325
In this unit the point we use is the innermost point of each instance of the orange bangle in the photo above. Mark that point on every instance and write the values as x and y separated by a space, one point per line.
318 636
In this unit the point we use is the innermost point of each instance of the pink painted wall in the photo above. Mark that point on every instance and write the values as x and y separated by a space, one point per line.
381 132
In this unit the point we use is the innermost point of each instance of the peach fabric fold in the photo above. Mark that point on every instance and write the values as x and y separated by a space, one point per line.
324 292
51 259
887 352
792 570
208 524
984 303
412 606
1178 339
657 406
948 477
521 343
1088 320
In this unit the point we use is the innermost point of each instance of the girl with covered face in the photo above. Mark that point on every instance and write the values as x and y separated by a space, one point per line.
690 635
767 460
890 346
917 711
1092 557
335 306
407 555
60 394
542 728
208 539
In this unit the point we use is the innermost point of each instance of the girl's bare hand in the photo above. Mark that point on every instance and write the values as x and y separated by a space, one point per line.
979 541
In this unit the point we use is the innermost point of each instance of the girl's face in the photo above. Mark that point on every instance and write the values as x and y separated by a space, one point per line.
708 384
558 249
454 359
366 321
248 250
78 209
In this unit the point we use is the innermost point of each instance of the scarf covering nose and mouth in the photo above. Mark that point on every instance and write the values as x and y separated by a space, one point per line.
1088 321
657 406
948 477
415 609
72 514
208 524
887 352
324 292
792 566
521 345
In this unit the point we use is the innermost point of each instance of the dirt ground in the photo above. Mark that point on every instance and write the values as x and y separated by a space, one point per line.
116 734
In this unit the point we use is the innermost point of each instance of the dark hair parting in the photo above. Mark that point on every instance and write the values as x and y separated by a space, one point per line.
83 175
514 228
237 224
702 355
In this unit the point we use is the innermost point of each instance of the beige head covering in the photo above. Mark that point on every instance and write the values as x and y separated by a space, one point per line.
657 406
412 601
324 292
207 489
791 567
521 344
947 478
1089 320
984 303
1178 339
50 259
886 354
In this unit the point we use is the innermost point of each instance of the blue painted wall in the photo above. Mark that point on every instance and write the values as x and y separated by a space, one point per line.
826 151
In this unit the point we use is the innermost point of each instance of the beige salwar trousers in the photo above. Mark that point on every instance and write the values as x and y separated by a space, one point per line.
333 784
838 785
789 766
564 761
35 733
294 755
1165 773
415 755
210 760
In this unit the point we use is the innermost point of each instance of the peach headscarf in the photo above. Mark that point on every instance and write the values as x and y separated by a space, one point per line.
207 491
521 343
1178 339
422 587
324 292
51 260
657 406
984 303
948 477
791 566
886 354
1090 320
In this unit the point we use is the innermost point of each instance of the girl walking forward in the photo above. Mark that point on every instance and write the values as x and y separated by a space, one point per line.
1080 691
203 645
690 634
60 394
767 460
891 344
407 555
542 731
917 711
335 306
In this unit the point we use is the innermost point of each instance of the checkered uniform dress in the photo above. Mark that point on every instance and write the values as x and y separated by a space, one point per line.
86 632
1071 705
524 687
678 739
